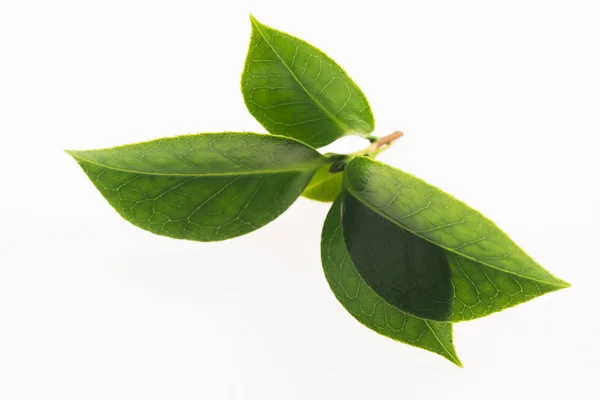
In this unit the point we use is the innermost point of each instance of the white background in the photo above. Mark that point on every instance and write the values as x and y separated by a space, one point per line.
500 105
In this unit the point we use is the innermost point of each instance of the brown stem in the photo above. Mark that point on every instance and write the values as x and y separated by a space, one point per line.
382 142
386 140
375 148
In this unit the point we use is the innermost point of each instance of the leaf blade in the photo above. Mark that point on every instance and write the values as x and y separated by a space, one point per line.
205 187
313 103
436 216
421 278
369 308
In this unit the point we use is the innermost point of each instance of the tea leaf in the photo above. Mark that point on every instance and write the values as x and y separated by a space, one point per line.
369 308
294 89
422 278
206 187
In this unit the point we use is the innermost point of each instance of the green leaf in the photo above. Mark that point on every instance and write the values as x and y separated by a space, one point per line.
480 290
324 186
369 308
423 279
406 237
206 187
294 89
407 271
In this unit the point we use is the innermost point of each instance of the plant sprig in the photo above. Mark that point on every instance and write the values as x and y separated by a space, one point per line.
403 257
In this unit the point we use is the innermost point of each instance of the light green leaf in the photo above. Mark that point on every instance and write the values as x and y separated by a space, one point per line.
369 308
480 290
324 186
294 89
206 187
422 278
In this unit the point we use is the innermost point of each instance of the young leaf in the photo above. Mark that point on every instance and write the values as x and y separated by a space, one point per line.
206 187
369 308
294 89
325 185
423 279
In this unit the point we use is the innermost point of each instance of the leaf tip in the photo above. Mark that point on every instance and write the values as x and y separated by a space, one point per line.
451 356
565 285
253 20
76 154
560 284
72 153
456 361
256 24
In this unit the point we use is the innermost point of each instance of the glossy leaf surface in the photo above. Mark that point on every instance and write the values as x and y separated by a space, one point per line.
423 279
294 89
367 306
206 187
324 185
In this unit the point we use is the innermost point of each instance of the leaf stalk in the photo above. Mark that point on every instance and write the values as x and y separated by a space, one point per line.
377 145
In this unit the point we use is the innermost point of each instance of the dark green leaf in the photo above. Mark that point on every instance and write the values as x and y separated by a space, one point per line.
369 308
407 271
406 237
206 187
324 186
294 89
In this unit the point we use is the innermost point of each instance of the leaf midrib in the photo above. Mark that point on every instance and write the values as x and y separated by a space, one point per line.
304 167
337 121
377 211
